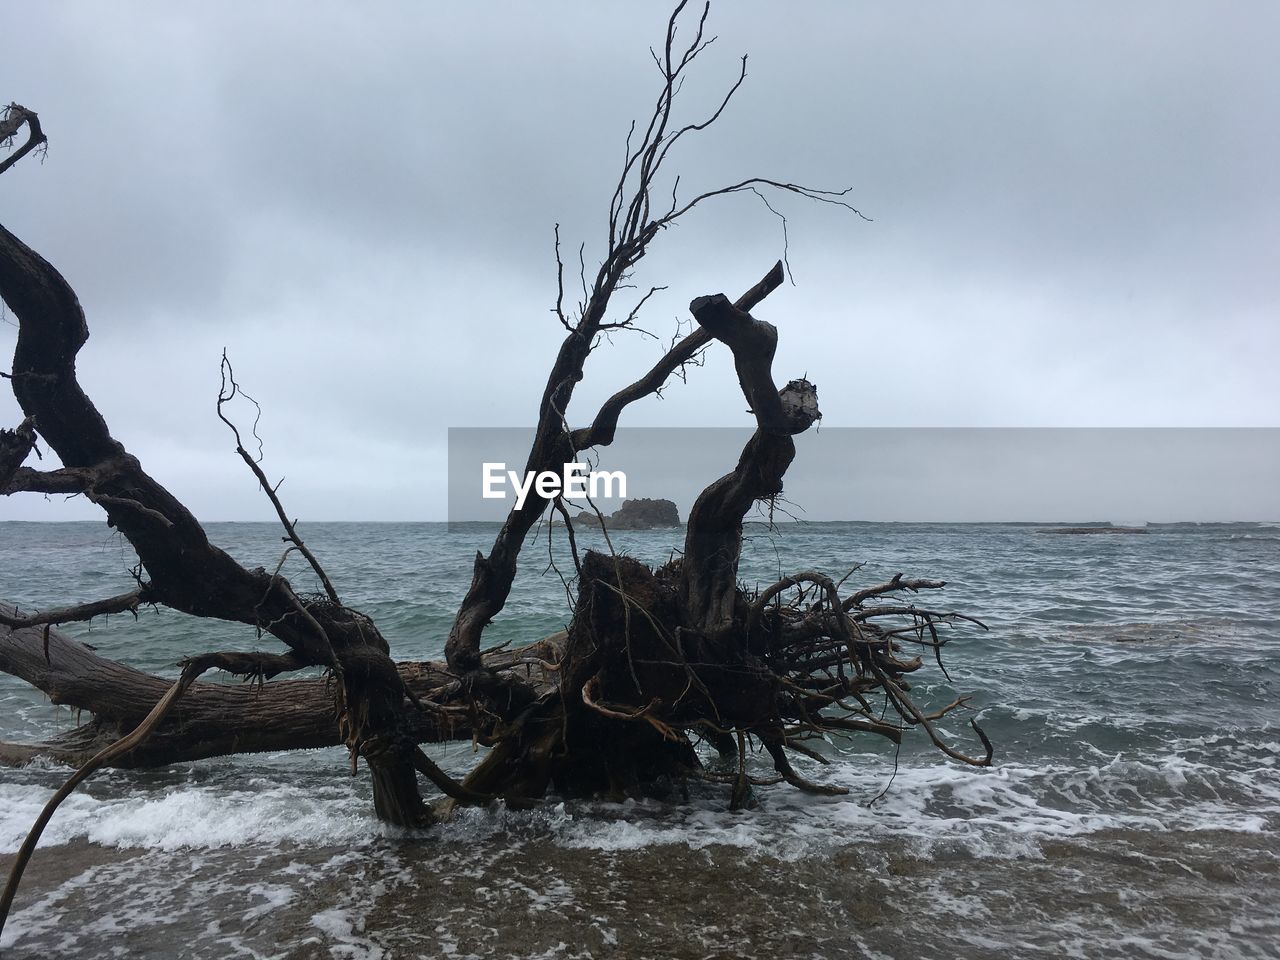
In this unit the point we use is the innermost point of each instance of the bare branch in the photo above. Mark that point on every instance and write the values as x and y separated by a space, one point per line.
124 745
226 393
820 196
604 427
892 586
559 308
85 611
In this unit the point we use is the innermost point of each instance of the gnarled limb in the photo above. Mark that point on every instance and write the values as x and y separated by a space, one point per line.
713 539
28 480
186 571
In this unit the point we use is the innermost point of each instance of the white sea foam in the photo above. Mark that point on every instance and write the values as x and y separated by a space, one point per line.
999 812
190 817
340 925
274 897
989 809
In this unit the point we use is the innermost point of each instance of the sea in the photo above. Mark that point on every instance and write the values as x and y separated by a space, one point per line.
1130 684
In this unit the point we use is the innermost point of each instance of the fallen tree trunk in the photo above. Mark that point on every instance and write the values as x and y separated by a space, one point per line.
652 660
217 719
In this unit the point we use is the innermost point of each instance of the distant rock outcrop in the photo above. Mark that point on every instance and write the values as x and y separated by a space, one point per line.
639 514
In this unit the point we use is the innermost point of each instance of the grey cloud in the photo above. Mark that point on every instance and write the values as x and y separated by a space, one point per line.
1073 209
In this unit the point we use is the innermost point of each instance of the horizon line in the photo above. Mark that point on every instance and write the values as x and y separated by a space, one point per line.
782 522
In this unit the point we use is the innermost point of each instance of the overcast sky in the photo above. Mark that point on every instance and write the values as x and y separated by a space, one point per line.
1074 220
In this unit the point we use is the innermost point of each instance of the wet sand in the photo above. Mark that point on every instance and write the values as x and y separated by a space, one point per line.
1113 894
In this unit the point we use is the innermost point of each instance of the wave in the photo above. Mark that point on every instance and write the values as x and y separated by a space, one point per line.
192 817
1223 784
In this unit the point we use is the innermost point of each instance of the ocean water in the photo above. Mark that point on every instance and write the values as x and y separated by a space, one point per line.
1130 683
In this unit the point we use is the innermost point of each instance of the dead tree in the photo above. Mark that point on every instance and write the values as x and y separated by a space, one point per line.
654 661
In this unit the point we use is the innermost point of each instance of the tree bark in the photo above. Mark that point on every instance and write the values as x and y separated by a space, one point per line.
217 719
713 539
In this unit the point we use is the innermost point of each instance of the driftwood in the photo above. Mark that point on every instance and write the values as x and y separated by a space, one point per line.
216 719
654 663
